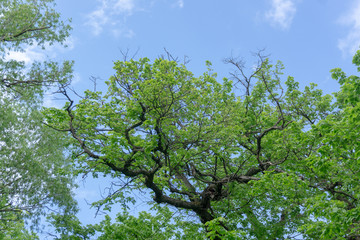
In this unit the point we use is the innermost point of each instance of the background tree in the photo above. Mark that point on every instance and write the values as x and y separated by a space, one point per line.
333 167
255 162
35 175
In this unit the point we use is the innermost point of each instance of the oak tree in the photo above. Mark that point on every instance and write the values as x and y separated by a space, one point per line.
249 157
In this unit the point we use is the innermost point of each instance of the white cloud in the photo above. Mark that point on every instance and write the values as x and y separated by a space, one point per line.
130 34
82 194
34 53
108 13
180 3
76 79
177 3
351 43
50 101
281 13
124 5
29 55
97 19
127 33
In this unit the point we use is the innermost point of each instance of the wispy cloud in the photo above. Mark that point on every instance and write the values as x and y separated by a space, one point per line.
108 14
82 194
29 55
173 3
33 53
180 3
281 13
351 42
124 5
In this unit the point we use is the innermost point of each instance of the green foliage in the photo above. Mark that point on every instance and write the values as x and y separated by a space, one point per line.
334 167
270 162
16 231
35 174
216 230
69 227
32 162
27 22
164 225
145 226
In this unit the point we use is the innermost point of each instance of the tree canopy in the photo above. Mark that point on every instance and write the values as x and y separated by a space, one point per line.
249 157
35 173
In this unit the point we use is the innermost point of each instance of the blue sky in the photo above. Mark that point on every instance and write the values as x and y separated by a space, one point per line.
309 36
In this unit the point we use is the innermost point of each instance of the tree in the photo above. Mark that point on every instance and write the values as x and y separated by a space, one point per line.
259 162
334 167
17 231
35 174
25 23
